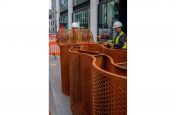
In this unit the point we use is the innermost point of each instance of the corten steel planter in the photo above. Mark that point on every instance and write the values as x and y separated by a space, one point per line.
118 55
86 59
123 65
64 60
75 81
65 40
109 87
62 40
96 48
80 81
81 78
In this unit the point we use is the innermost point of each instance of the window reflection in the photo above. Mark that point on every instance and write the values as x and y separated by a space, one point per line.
64 21
63 5
107 15
77 2
82 17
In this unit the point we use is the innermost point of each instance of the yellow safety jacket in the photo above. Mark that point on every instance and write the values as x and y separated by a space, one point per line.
116 40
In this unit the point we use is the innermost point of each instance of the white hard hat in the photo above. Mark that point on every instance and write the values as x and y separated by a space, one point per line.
117 24
74 25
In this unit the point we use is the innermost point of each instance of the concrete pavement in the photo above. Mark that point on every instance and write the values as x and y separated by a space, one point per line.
59 104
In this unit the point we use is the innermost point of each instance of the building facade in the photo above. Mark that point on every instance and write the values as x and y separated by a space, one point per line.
51 23
53 17
97 15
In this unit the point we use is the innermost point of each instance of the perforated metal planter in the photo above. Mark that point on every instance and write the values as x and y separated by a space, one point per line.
75 81
96 48
109 85
86 59
118 55
123 65
64 59
81 81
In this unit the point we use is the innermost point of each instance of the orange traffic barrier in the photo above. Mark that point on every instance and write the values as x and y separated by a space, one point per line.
54 48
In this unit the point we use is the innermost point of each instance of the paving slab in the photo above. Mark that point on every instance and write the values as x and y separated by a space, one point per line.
59 104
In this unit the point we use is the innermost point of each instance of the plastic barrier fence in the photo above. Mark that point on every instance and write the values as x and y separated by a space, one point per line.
54 48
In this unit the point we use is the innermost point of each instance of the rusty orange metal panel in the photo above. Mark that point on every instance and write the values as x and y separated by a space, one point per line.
109 88
86 60
80 81
92 48
75 81
123 64
64 59
118 55
82 75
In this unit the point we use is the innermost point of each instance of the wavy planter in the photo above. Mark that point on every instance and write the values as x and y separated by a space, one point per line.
109 85
97 84
80 81
118 55
64 59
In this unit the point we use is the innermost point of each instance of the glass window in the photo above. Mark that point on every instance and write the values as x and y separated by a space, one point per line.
64 21
107 15
50 16
82 17
77 2
63 5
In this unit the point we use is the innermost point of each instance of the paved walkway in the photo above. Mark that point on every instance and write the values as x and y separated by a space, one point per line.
59 104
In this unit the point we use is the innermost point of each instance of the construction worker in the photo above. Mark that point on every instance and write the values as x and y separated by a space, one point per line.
74 33
120 39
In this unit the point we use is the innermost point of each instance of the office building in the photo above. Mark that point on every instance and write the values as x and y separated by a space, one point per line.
97 15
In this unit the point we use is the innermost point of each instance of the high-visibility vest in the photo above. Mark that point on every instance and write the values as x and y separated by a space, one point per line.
116 40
